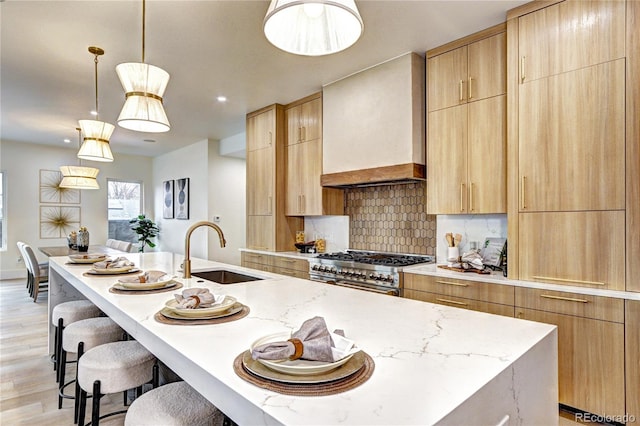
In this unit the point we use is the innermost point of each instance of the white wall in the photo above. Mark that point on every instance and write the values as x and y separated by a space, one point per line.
22 163
471 227
217 187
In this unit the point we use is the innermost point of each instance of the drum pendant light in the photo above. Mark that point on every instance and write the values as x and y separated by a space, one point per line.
313 27
79 177
96 133
144 86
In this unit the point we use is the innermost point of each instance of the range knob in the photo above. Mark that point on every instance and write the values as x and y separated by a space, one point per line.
315 268
389 278
333 270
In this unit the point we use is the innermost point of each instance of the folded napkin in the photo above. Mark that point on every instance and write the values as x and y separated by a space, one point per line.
312 341
473 259
147 277
193 298
119 262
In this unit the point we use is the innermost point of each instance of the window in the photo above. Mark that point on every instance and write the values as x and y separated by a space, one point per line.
124 203
3 209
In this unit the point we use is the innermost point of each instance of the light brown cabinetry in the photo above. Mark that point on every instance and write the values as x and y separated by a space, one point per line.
305 194
590 346
632 358
267 226
572 201
466 136
474 295
298 268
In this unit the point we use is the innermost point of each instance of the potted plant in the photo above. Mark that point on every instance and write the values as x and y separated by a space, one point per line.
146 229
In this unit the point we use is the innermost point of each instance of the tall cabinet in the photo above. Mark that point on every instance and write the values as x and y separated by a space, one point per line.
305 194
267 226
466 126
567 139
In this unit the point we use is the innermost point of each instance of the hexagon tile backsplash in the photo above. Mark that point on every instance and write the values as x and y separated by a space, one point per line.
391 218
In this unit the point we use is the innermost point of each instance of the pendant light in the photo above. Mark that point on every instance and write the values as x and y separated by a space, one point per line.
96 133
313 27
79 177
144 86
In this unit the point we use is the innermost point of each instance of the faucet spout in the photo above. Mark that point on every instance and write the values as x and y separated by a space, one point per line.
186 266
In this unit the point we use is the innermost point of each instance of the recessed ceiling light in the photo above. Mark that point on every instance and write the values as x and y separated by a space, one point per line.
94 113
222 99
67 141
149 140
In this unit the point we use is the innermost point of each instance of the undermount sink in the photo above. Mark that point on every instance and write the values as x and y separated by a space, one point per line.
222 276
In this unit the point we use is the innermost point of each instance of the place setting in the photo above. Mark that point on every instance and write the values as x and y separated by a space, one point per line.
198 306
148 282
85 258
118 266
311 361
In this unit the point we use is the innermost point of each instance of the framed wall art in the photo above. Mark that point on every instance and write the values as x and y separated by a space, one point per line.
58 221
51 192
167 199
182 198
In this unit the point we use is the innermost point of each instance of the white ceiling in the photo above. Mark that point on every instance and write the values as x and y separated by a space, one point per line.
209 48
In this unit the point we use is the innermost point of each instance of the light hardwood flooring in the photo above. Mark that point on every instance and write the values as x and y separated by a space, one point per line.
28 390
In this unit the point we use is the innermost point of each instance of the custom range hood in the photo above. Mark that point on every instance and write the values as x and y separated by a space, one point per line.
373 125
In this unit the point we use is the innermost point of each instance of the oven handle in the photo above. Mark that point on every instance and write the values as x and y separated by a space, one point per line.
390 292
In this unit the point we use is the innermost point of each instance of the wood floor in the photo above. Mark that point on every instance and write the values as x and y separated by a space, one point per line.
28 390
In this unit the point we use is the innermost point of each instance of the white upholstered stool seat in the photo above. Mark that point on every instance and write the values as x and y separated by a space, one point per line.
64 314
171 405
110 368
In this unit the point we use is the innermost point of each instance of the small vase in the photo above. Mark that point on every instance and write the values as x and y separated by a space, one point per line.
83 239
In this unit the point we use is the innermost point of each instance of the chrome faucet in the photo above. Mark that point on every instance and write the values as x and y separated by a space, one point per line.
186 265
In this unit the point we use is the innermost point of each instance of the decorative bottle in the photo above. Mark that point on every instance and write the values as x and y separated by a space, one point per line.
83 239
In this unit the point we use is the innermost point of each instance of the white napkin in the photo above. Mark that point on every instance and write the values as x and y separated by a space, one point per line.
193 298
342 346
147 277
119 262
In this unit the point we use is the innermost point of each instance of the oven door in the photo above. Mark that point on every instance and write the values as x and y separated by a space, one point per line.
374 289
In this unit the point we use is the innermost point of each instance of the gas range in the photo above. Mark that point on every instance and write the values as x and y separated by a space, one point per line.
367 270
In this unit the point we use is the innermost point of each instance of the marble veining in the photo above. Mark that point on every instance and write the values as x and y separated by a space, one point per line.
433 364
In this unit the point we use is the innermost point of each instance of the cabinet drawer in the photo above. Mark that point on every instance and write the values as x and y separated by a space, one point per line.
263 259
495 293
580 305
459 302
258 266
289 263
291 273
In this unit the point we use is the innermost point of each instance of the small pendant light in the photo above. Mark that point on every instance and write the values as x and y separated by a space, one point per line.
96 133
144 86
313 27
79 177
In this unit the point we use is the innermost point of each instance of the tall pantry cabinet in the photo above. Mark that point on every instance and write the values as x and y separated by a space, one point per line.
466 126
267 226
568 88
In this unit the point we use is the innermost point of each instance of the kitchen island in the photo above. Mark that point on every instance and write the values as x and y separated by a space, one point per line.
433 364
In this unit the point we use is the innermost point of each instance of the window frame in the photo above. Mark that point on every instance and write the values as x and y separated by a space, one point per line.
3 210
140 207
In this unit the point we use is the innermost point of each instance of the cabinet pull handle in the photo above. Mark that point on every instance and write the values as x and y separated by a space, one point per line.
304 133
461 97
269 199
469 88
568 299
270 138
471 197
522 74
522 192
304 202
564 280
299 134
454 302
452 283
461 196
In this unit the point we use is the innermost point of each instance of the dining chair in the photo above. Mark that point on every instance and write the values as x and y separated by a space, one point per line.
124 246
111 243
40 274
23 254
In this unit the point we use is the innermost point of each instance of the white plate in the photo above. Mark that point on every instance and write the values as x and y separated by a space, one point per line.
237 307
86 258
119 286
201 312
109 271
134 282
298 367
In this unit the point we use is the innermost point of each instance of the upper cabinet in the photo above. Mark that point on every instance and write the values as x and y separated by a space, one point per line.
570 35
469 73
261 130
466 125
305 194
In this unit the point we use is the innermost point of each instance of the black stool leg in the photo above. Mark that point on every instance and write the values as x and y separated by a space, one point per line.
76 404
82 406
55 345
155 382
61 373
58 344
95 409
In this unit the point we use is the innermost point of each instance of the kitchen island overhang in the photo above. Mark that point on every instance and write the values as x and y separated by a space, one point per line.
433 364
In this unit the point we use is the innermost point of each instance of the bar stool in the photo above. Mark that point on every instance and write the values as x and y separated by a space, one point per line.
64 314
80 336
173 404
111 368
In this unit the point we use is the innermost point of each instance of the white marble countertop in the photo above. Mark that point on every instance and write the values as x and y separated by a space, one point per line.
498 278
289 254
429 359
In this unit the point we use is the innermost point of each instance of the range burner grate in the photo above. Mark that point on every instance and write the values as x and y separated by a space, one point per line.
373 258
